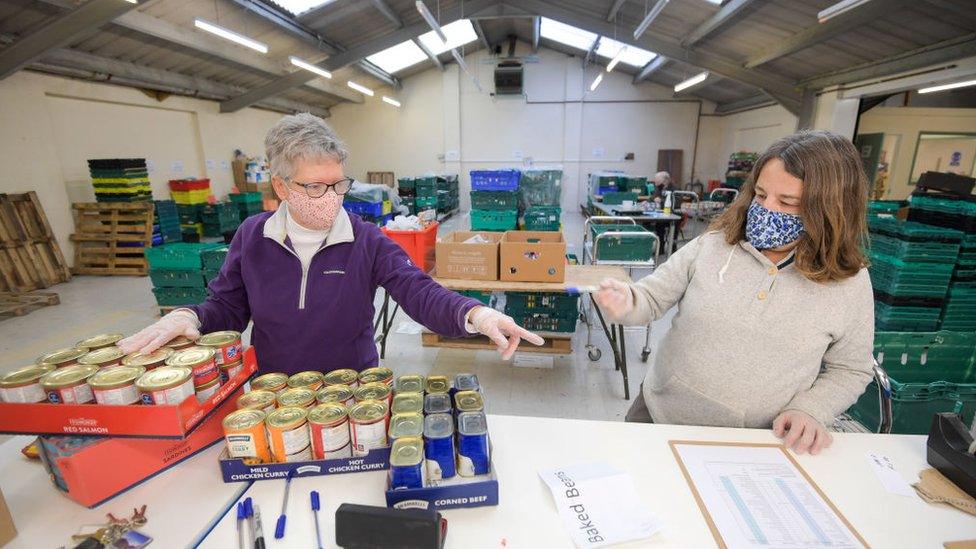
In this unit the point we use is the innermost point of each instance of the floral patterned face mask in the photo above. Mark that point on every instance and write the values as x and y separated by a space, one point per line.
766 229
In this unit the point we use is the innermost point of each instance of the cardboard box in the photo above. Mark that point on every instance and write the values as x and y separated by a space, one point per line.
533 256
453 494
455 259
240 180
7 529
235 470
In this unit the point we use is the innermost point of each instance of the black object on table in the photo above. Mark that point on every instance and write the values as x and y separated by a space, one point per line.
369 527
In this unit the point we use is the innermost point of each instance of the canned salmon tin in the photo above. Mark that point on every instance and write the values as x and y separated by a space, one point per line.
376 375
406 425
466 382
468 401
100 341
266 401
410 384
275 382
179 343
438 403
407 464
439 446
117 386
246 437
230 371
438 384
374 391
340 394
344 376
205 392
288 434
309 380
151 361
226 346
201 360
329 429
62 357
166 386
23 385
407 403
303 398
69 385
367 426
473 453
106 357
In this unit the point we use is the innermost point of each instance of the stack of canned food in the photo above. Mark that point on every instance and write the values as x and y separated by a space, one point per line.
97 371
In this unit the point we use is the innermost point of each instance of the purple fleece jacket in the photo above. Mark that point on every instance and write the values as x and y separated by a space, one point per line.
261 281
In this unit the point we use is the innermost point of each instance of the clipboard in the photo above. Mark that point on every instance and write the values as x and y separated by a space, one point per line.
710 520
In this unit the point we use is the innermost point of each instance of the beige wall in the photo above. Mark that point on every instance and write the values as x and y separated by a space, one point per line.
749 131
49 127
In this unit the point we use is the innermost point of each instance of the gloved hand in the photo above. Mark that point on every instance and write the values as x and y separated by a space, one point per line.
802 432
615 298
497 326
181 322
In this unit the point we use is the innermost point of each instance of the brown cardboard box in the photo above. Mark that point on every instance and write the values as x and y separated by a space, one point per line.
7 530
240 181
533 256
455 259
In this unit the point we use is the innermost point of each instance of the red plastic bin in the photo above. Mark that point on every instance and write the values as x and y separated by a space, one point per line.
188 184
419 245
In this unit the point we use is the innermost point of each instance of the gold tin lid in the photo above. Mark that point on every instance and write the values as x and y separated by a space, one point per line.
407 452
375 375
344 376
407 402
241 420
101 356
231 365
219 339
67 376
112 378
304 379
25 376
410 384
165 377
327 413
372 391
368 411
191 357
468 401
257 400
269 381
206 386
438 384
179 342
296 397
407 425
286 418
334 393
156 357
62 355
101 340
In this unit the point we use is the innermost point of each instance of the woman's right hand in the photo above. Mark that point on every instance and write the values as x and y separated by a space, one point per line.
181 322
615 297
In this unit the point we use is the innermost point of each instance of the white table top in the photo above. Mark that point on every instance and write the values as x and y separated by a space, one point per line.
182 500
635 212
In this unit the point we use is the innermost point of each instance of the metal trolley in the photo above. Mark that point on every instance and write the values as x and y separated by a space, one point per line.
591 254
703 212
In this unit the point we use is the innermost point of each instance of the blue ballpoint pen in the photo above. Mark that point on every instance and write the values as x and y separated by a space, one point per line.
280 526
241 516
315 517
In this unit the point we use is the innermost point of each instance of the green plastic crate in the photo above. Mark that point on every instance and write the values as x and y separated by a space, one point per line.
542 218
546 322
490 220
214 258
540 187
176 278
210 274
494 200
524 303
622 247
179 255
484 297
612 199
245 198
169 297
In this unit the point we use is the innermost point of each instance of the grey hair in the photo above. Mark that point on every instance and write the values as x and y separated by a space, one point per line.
299 137
662 178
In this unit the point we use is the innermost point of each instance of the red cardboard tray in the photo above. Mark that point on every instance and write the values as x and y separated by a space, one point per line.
120 421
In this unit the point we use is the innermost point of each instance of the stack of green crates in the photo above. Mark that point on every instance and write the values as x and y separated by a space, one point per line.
248 204
166 222
448 194
953 213
212 260
425 188
120 179
617 198
543 312
177 272
220 218
541 218
930 373
494 210
622 247
885 208
540 187
634 183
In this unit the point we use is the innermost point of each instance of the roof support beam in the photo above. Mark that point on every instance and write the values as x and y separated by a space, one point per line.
429 53
63 31
536 33
592 51
760 100
650 68
481 33
612 14
347 57
721 17
830 28
388 12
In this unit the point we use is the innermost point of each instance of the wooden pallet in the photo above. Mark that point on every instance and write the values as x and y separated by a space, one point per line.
19 304
110 237
30 257
556 344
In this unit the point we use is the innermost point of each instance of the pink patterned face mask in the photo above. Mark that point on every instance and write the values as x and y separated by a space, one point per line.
314 213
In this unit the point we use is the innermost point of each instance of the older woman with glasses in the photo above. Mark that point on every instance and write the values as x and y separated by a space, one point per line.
306 274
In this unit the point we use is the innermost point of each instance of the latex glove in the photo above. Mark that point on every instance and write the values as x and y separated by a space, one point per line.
501 329
615 298
801 432
181 322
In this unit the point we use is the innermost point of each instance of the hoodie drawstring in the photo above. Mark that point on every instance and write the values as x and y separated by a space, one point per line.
721 273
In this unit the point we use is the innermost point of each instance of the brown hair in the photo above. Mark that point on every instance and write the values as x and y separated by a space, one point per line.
832 206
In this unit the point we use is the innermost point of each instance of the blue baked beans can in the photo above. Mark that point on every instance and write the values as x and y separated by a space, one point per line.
466 382
437 403
473 457
439 446
407 464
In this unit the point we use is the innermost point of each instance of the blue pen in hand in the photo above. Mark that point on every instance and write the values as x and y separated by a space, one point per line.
315 517
280 527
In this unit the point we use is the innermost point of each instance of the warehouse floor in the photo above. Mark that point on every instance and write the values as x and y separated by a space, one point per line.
564 386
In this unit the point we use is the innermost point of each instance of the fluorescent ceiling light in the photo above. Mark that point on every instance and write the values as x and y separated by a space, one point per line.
697 79
464 66
391 101
298 7
952 86
616 58
302 64
716 2
360 88
839 8
431 22
596 81
628 55
399 57
566 34
649 18
457 34
230 35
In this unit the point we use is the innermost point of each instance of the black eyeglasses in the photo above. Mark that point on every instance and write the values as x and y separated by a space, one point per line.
318 190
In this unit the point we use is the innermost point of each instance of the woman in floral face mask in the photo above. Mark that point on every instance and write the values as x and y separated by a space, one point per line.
775 320
306 274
